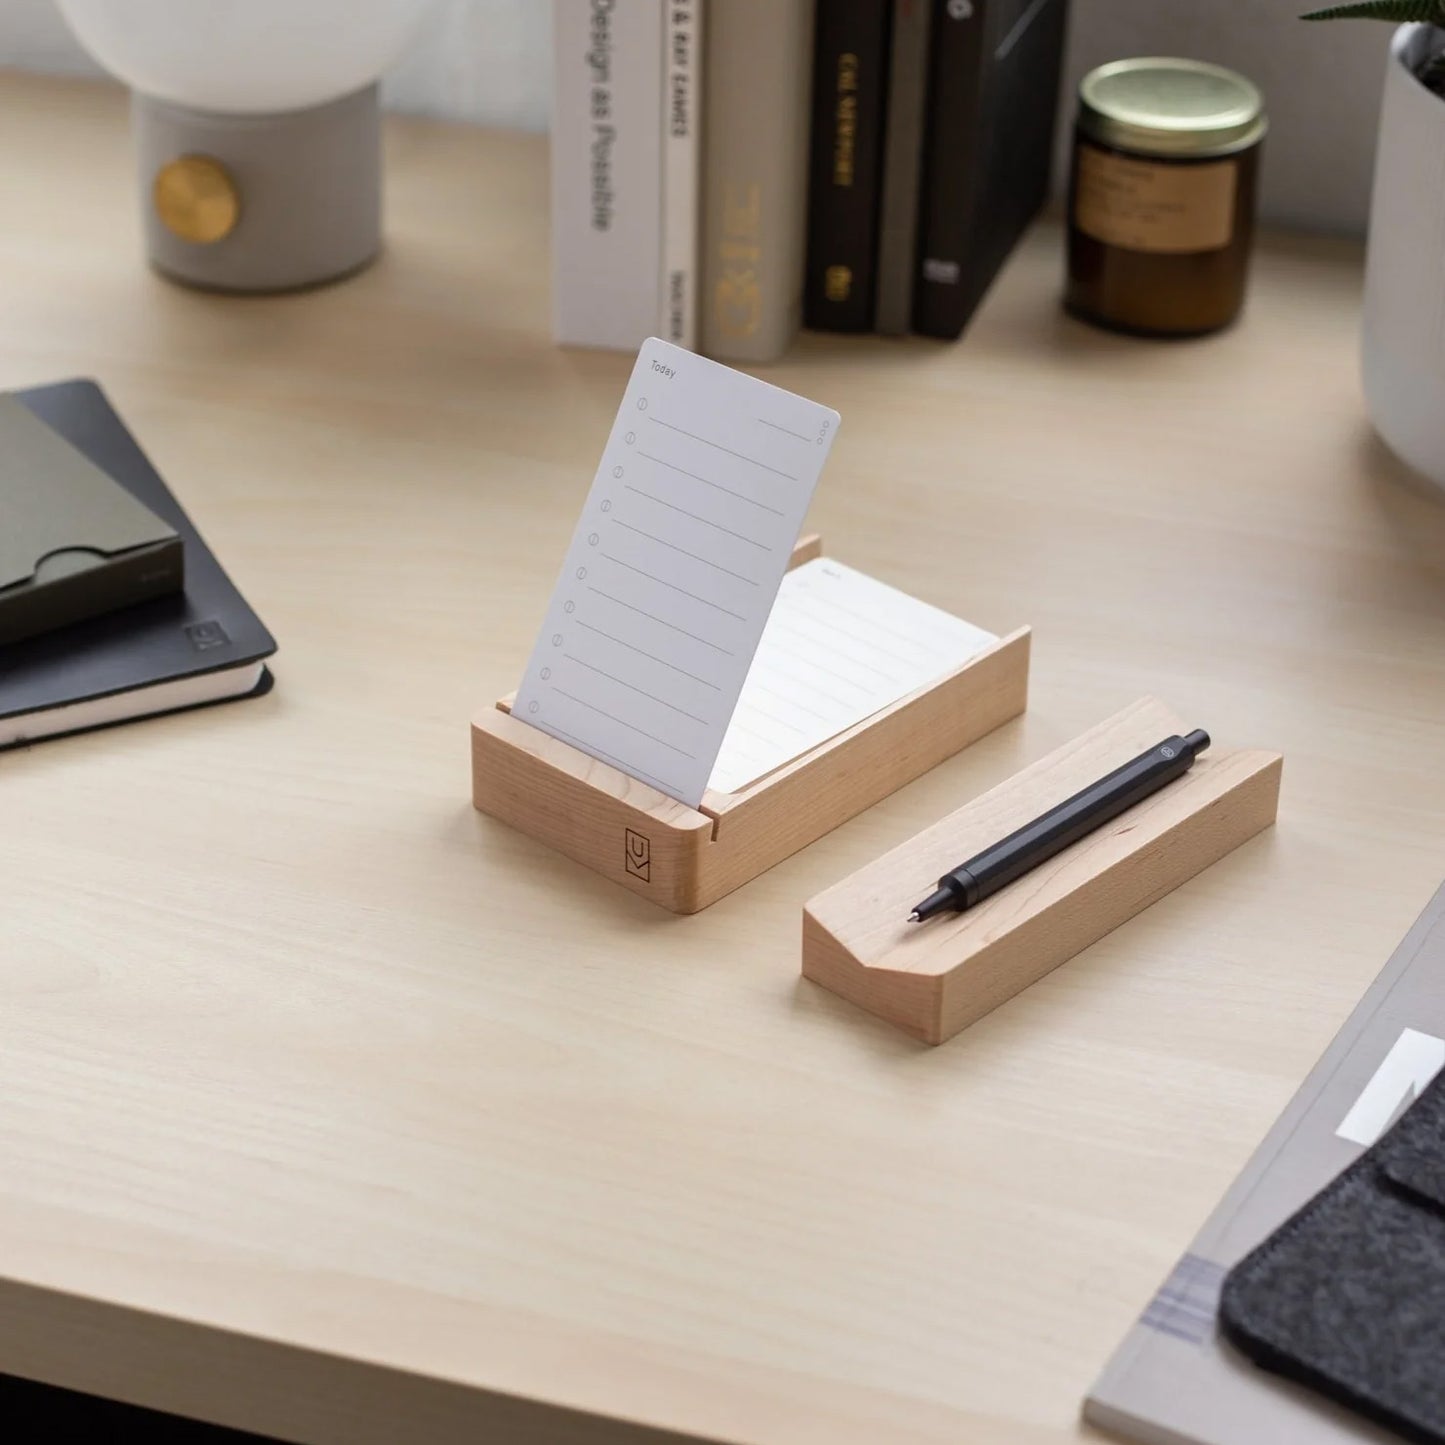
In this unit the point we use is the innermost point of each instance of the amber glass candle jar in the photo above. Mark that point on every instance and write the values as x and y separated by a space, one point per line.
1161 196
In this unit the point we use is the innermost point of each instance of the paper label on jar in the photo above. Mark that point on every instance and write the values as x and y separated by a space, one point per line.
1147 206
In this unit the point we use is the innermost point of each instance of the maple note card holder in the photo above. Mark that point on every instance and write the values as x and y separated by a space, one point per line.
708 694
685 858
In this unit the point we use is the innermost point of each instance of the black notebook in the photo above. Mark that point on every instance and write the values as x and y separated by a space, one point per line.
992 97
204 645
850 76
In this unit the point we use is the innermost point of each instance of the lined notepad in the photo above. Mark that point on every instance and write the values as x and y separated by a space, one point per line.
838 647
674 567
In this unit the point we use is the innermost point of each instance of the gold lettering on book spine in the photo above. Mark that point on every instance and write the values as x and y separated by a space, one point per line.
845 120
738 294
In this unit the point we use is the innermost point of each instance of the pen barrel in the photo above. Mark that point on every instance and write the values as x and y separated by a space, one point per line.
1087 811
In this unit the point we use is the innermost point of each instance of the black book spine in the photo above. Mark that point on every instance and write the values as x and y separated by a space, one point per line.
850 69
951 161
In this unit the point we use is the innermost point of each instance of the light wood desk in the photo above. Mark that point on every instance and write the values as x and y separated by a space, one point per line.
333 1110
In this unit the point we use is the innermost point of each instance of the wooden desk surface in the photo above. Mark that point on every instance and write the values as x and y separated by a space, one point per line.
331 1109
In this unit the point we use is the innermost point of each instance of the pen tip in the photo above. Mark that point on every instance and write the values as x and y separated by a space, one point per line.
915 917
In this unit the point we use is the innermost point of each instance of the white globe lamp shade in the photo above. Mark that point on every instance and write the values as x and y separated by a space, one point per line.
257 129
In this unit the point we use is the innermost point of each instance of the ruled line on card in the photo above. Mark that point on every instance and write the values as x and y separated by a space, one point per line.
696 556
813 662
660 620
909 639
708 482
622 721
651 656
741 456
788 630
758 711
784 697
696 517
763 421
770 668
632 687
653 577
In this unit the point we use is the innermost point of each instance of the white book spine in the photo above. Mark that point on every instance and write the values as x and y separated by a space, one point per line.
681 151
606 171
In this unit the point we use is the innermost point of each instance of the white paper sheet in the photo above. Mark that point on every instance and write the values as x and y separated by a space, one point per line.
838 647
674 567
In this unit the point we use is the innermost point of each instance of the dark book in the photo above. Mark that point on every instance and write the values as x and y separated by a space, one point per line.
993 96
850 81
199 646
902 166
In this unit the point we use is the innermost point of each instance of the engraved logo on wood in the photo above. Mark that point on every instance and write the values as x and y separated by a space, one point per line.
639 856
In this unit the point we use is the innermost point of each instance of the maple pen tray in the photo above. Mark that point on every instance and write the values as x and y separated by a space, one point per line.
933 979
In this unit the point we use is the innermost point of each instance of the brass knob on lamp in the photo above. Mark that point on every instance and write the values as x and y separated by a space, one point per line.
196 199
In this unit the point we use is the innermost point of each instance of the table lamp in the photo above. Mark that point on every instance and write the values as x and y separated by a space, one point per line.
257 130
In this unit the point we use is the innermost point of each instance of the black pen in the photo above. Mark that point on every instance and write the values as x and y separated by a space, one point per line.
985 873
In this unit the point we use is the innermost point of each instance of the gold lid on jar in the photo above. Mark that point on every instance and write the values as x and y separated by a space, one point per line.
1156 105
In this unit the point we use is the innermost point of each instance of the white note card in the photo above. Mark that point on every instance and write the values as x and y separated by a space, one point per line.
838 647
674 567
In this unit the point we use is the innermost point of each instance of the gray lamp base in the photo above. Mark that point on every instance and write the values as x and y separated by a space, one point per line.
296 197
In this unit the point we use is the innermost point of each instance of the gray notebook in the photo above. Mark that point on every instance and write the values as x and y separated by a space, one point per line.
1173 1381
73 542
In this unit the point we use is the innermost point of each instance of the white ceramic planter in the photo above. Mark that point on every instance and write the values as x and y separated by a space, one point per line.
1404 316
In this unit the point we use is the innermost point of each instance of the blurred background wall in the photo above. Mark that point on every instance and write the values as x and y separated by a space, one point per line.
488 61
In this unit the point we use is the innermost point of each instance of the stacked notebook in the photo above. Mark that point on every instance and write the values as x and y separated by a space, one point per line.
201 644
1175 1380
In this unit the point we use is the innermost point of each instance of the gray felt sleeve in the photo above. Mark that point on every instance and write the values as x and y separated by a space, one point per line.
1348 1296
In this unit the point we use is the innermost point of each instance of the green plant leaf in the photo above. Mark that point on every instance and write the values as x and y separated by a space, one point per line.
1398 12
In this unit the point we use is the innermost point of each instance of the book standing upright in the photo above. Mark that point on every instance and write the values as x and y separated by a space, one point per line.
850 75
992 100
681 148
755 165
902 166
607 178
